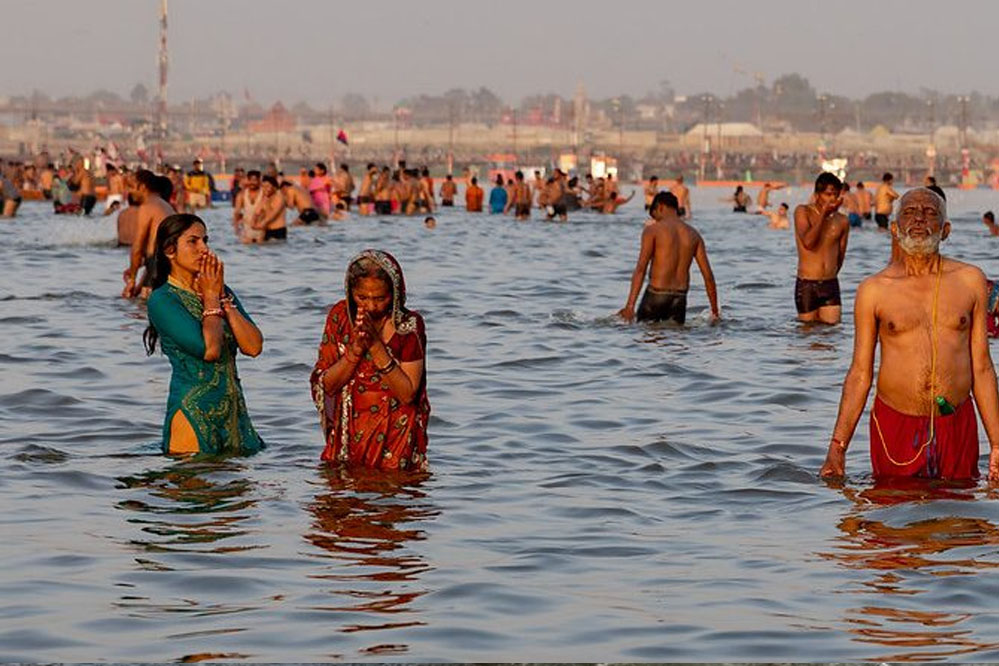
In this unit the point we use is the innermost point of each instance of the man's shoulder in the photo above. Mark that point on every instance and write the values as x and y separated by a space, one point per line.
803 209
963 270
873 286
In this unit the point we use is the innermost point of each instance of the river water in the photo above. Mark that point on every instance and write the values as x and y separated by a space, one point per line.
599 491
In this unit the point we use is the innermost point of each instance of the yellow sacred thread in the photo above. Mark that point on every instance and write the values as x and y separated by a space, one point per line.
933 381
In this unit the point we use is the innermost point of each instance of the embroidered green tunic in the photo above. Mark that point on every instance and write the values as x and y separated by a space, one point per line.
207 392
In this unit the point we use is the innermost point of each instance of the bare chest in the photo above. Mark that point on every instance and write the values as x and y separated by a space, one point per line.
912 312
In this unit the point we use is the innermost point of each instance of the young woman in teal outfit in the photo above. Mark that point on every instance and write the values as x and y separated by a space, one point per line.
200 325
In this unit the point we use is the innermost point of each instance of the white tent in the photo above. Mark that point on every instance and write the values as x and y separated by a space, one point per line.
726 130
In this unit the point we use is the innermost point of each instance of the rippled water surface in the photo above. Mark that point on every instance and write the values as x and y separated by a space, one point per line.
599 491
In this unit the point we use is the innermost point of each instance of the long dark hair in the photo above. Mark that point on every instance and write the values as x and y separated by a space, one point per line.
169 231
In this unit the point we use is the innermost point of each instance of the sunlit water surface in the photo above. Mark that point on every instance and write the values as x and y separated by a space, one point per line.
599 491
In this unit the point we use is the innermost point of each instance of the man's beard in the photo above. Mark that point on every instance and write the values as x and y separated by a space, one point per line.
920 247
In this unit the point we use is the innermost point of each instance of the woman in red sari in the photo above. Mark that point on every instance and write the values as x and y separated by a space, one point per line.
370 382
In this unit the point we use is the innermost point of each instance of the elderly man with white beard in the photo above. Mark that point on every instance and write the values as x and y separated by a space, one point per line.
928 314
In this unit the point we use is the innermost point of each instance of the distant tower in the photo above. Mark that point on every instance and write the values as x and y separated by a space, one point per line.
161 103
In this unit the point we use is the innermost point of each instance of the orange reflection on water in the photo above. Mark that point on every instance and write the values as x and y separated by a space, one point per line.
191 502
365 522
899 557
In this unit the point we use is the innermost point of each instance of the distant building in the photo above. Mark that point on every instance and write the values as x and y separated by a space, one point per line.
730 135
647 111
277 119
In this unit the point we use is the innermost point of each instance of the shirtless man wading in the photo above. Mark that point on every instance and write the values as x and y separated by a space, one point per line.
448 191
682 194
820 233
152 211
670 245
763 198
864 200
366 197
884 200
928 314
521 198
270 216
297 198
651 190
343 185
245 208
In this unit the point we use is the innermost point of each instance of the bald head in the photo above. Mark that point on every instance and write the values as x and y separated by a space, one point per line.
922 222
922 198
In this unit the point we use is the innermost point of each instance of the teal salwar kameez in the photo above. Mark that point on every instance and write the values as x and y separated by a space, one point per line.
207 392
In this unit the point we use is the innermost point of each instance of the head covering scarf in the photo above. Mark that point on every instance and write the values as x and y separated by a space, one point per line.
403 319
364 423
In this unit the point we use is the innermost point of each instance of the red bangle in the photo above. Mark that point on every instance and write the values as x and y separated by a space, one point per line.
838 442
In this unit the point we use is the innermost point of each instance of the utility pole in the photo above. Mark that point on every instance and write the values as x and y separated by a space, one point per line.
620 127
395 119
718 120
161 102
705 144
450 138
931 149
759 101
822 116
515 160
222 146
963 99
332 141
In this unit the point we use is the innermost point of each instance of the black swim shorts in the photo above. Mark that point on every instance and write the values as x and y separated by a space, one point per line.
276 234
88 201
383 207
881 219
147 273
308 216
810 295
667 305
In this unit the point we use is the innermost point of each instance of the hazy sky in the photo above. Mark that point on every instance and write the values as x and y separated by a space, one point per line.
389 49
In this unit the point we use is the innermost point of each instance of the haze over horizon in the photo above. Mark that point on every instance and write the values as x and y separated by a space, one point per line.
387 52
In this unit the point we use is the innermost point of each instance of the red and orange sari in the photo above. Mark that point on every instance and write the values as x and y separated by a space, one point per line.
364 423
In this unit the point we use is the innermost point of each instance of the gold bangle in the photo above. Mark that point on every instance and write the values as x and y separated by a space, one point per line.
216 312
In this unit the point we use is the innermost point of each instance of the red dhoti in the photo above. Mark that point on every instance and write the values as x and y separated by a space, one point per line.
896 440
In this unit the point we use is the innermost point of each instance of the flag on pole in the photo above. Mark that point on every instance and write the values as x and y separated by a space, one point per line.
341 136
